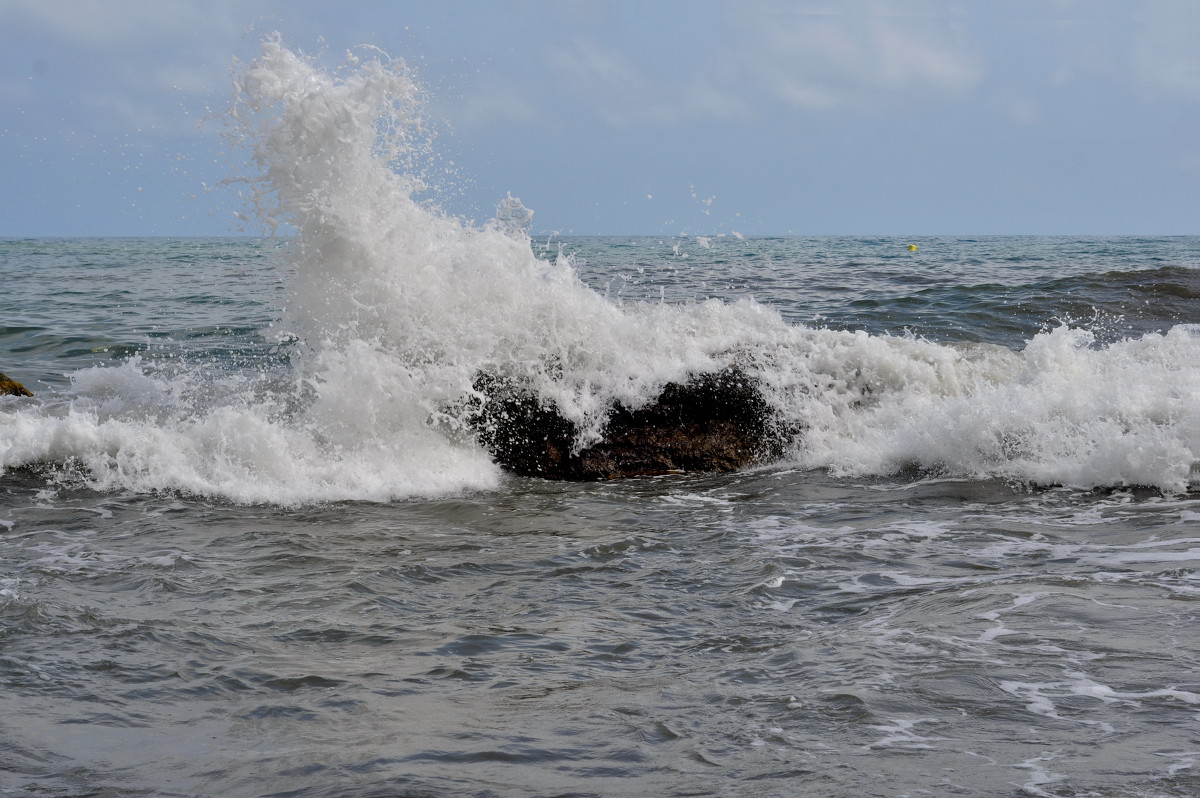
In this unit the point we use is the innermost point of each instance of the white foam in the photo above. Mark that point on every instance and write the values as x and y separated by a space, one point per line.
1040 696
988 635
902 734
1185 760
1039 775
239 452
1059 412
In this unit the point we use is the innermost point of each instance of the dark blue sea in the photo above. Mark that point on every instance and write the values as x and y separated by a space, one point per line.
250 547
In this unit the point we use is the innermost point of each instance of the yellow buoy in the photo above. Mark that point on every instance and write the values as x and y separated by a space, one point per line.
912 247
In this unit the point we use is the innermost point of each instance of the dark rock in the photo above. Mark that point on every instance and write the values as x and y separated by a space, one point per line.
713 422
12 387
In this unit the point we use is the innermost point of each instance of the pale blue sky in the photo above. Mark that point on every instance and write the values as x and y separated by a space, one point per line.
890 117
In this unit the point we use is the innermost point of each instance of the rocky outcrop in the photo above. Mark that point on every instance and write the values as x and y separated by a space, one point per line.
12 387
713 422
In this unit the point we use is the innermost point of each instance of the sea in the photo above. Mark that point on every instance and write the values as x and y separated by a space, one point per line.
250 547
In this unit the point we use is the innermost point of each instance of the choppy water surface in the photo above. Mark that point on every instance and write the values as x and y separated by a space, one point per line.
998 289
772 633
247 547
779 632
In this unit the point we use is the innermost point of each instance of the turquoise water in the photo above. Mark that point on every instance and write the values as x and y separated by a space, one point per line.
235 560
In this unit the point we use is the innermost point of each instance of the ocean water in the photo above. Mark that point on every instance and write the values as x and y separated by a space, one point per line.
248 547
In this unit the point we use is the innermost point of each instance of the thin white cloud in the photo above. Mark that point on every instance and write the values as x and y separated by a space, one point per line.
603 77
603 68
823 59
130 64
814 56
1165 57
1017 107
623 94
492 101
106 25
825 56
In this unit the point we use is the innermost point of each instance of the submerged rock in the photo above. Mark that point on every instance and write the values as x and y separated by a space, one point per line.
713 422
12 387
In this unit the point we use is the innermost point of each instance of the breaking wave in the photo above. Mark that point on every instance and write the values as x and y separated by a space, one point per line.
393 308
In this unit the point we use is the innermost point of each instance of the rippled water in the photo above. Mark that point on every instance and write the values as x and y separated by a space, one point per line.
774 633
72 303
779 632
996 289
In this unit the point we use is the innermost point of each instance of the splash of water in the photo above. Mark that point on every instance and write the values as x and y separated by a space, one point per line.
393 308
406 305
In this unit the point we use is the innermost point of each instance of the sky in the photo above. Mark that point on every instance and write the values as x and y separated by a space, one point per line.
646 117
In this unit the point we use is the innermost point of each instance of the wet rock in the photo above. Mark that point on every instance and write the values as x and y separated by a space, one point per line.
12 387
713 422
